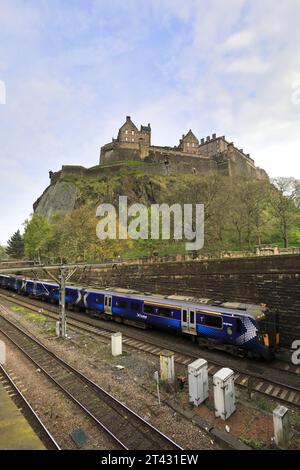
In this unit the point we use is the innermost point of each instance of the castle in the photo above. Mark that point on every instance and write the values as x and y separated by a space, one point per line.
190 156
213 154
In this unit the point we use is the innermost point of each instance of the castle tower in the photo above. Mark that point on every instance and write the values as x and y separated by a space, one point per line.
145 135
189 143
128 132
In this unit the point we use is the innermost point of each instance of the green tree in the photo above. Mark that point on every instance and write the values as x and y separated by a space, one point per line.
36 234
249 200
3 254
72 238
15 246
284 200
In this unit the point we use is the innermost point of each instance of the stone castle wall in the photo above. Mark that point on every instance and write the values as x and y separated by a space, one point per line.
231 162
176 163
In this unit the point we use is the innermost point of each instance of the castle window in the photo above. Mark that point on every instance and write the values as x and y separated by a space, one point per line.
126 132
193 145
132 140
132 132
126 139
188 144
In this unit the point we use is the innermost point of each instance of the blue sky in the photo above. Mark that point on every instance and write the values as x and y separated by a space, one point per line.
74 69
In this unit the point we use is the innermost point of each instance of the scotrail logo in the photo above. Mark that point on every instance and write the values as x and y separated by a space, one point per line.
152 223
2 92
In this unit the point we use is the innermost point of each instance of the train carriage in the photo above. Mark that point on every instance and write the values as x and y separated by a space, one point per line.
234 327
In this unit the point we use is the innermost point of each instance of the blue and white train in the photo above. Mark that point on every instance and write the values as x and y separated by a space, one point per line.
240 329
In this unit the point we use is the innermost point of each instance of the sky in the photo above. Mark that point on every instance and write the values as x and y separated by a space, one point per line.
70 72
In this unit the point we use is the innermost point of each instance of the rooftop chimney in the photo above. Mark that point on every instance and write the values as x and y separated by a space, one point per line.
202 141
127 118
208 138
214 136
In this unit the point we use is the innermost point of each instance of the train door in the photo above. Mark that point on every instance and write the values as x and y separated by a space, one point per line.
108 304
188 321
34 289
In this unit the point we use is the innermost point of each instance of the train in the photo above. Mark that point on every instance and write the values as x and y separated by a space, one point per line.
241 329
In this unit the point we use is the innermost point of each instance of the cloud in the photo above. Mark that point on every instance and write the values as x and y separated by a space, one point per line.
239 41
74 70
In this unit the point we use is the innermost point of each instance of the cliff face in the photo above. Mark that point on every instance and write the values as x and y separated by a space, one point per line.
70 191
60 197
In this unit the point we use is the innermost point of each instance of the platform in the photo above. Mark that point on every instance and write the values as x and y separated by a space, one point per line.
15 432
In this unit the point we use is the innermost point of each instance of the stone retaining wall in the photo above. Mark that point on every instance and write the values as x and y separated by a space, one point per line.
273 280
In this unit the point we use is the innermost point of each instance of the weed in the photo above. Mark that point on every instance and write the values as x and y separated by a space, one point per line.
17 308
265 405
252 442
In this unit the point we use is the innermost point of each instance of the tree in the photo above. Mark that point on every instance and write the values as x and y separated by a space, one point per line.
284 200
37 231
3 254
72 238
15 246
249 199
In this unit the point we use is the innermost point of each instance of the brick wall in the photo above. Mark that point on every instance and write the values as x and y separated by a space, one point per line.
272 280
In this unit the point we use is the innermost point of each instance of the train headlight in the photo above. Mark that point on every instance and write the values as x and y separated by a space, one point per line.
266 340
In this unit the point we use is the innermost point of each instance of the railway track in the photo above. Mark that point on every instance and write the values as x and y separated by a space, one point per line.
126 428
52 312
276 389
27 410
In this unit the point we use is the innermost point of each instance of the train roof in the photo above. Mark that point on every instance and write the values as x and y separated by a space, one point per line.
205 304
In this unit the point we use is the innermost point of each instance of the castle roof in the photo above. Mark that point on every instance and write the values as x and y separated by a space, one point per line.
130 123
190 136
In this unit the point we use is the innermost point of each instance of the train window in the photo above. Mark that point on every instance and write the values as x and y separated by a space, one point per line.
121 303
148 308
163 312
109 301
184 316
239 325
192 316
134 306
213 320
